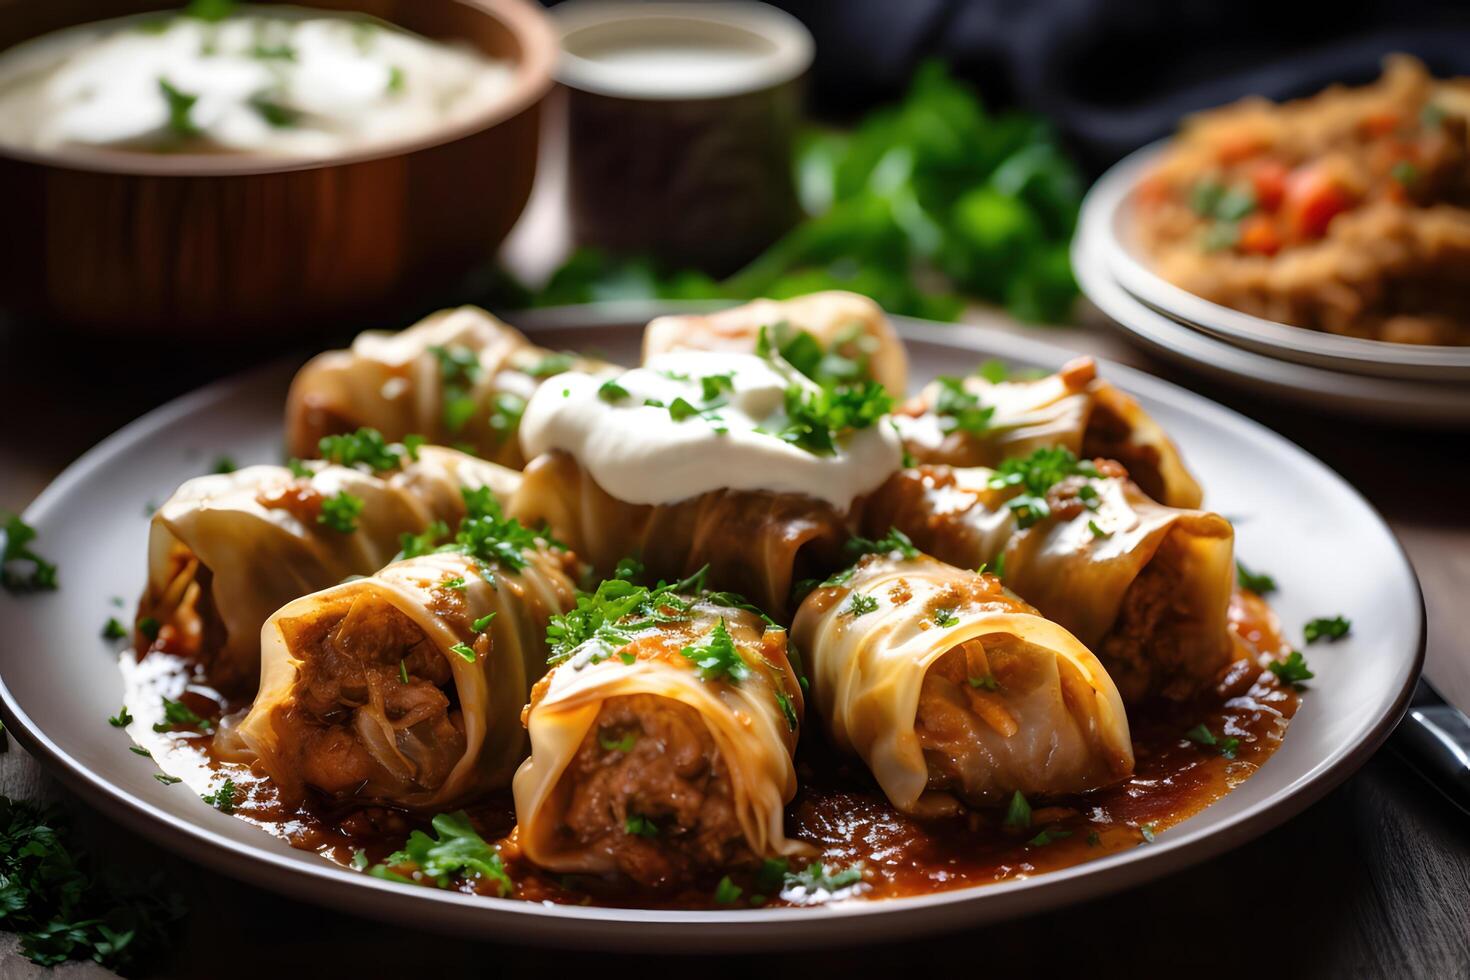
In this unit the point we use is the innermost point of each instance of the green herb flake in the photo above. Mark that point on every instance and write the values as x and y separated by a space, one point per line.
113 630
1018 813
610 391
788 710
465 653
1048 836
223 797
480 624
122 719
894 541
988 682
1405 173
1035 475
993 371
402 671
41 575
139 750
627 658
340 512
717 658
456 584
366 449
180 104
149 628
1257 582
637 825
817 418
1148 832
166 779
458 851
1293 670
177 714
1331 629
818 877
945 618
622 743
1094 839
298 469
1098 532
960 410
861 605
727 892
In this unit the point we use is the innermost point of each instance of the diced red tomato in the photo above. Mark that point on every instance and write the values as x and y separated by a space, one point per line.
1268 178
1313 198
1258 235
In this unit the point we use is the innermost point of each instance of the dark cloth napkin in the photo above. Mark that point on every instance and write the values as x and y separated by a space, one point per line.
1113 74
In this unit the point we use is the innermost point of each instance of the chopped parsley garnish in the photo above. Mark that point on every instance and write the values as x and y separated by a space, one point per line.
860 605
413 545
396 79
988 682
275 113
816 418
629 569
1148 832
993 371
680 409
1018 813
340 512
1201 735
1048 836
611 391
556 362
403 671
1093 838
223 465
712 386
459 369
1035 475
114 630
457 851
1324 628
122 719
787 709
1404 172
944 618
457 584
177 714
894 540
1098 532
819 877
364 448
298 468
627 658
506 418
223 797
960 410
411 444
18 537
598 616
166 779
273 52
1293 670
210 10
180 104
479 625
717 658
1257 582
139 750
485 534
149 627
727 892
637 825
465 653
623 743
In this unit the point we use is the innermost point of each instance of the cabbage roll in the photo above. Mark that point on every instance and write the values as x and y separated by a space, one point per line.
834 335
754 542
226 551
953 690
1145 586
1073 408
662 743
459 377
406 687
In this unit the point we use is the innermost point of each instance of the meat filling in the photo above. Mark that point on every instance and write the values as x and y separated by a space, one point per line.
1109 436
1150 650
649 788
353 726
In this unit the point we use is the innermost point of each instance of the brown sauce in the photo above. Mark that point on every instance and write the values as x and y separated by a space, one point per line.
838 810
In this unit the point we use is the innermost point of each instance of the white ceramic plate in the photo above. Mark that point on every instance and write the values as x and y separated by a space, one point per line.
1108 218
1327 548
1439 404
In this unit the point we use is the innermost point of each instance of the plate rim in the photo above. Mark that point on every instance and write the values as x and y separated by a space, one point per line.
1358 355
325 883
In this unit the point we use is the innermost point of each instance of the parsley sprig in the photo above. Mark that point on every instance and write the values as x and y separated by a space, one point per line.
1331 628
340 512
366 448
817 418
42 573
960 410
459 370
609 617
458 851
717 658
485 534
1035 475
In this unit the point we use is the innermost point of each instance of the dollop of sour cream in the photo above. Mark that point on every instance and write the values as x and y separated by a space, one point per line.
264 80
626 436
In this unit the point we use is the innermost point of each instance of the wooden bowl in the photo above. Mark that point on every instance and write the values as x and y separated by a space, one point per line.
225 247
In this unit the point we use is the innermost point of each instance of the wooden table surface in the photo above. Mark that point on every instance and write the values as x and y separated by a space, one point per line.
1374 880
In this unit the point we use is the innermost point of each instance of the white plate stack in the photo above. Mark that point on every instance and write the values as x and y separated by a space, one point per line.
1422 385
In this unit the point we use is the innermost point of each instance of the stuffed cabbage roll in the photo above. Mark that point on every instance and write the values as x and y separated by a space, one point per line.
662 743
952 689
406 687
1145 586
459 377
833 335
733 461
226 551
753 542
1075 409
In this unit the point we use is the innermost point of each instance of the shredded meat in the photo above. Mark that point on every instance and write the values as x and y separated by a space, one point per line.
1109 436
1147 653
670 783
350 681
